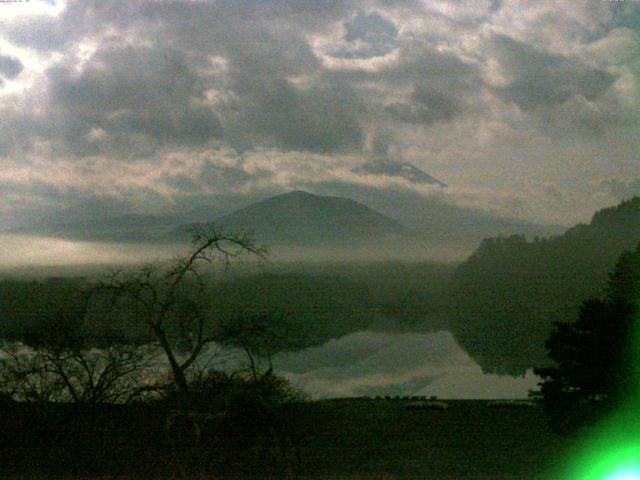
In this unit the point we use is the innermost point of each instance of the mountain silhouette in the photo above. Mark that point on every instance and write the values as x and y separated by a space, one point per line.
302 218
344 216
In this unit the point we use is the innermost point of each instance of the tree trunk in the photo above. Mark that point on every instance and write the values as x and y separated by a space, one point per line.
176 369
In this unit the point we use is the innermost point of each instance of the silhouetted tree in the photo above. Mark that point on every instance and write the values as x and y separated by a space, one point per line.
115 374
170 298
260 335
596 357
58 362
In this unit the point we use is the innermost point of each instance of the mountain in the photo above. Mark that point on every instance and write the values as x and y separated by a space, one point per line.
428 226
508 294
85 225
299 218
404 170
453 229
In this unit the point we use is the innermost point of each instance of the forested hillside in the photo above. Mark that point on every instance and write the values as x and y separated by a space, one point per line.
507 295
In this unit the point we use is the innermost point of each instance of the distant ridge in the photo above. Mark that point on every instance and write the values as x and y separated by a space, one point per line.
304 219
404 223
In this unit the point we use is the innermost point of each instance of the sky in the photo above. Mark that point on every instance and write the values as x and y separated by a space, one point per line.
527 108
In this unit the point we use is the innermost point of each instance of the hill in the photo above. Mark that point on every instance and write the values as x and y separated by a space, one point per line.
444 226
303 219
507 295
349 221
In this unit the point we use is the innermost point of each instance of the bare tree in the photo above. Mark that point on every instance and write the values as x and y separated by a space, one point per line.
59 361
115 374
170 296
260 335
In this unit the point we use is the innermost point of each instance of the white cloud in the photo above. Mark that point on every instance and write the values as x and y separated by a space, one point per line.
19 9
108 92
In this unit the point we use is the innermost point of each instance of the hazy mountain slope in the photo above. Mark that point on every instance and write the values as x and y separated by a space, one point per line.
300 218
111 226
438 222
366 217
507 295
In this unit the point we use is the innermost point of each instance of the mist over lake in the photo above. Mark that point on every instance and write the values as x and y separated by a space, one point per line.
41 251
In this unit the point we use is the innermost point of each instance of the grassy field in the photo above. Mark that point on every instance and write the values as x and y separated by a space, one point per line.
341 439
381 439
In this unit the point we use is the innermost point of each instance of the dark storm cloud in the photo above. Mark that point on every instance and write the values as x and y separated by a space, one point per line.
127 101
78 21
321 119
539 79
19 128
198 24
495 5
627 15
10 67
132 91
144 97
301 88
367 36
440 84
210 175
269 110
420 64
426 106
370 28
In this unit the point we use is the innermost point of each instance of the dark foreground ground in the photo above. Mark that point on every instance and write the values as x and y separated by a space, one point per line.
340 439
469 440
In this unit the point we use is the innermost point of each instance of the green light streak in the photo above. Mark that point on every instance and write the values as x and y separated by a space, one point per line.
611 451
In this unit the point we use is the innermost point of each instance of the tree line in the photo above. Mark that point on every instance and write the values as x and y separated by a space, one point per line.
506 297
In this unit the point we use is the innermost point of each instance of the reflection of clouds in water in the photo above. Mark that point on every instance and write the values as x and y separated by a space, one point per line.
372 363
470 382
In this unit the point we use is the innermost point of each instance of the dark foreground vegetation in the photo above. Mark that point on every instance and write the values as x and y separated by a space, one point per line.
507 296
239 429
595 358
351 439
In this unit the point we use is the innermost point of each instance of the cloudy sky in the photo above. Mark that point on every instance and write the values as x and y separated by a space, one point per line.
524 107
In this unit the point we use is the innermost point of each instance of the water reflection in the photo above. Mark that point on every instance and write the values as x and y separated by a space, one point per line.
375 363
